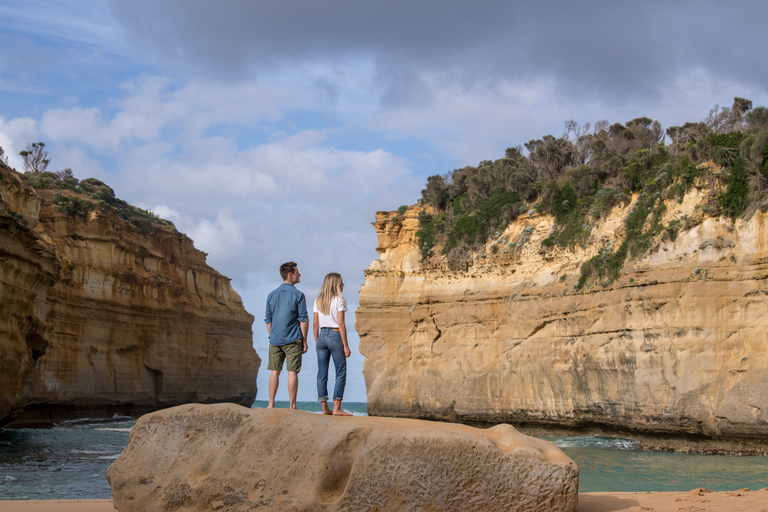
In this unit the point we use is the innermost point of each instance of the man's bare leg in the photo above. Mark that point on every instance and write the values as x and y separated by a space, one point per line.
326 410
337 409
293 388
274 381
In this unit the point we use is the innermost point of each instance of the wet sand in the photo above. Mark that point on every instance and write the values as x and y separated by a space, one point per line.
698 500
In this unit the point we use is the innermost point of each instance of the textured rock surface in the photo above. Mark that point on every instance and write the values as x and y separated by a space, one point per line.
677 346
226 457
96 314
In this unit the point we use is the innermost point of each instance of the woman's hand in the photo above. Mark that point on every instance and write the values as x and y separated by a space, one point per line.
343 332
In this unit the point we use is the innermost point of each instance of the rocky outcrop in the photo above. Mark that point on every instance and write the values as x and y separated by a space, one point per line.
225 457
677 346
99 315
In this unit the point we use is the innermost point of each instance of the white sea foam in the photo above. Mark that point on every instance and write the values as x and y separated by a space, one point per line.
595 442
110 457
9 478
77 421
115 429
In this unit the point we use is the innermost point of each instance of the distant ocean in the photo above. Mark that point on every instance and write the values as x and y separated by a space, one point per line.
70 461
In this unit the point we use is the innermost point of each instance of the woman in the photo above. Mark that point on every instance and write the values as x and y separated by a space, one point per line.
331 339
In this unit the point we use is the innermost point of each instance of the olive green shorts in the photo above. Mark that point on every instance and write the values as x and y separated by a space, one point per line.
290 351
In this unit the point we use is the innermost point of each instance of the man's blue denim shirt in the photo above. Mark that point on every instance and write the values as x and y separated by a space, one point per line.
286 307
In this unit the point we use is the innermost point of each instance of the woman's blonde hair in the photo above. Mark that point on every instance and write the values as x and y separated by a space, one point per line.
331 288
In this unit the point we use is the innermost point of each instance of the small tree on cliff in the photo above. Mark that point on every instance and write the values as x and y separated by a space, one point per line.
3 156
35 158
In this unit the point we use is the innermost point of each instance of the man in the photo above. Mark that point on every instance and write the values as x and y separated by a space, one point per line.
287 326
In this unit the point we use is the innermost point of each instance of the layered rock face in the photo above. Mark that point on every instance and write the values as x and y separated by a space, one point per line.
226 457
97 314
677 346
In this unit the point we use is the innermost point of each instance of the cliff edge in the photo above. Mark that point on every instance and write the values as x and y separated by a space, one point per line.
675 348
100 314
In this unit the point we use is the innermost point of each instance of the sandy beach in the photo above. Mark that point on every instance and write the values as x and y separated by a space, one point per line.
698 500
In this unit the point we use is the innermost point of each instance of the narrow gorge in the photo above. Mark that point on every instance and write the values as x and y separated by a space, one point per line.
101 313
673 350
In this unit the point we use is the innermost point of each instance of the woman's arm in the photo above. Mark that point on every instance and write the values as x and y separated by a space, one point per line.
343 332
316 327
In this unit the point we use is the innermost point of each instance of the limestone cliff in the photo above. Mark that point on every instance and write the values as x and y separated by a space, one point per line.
677 346
97 314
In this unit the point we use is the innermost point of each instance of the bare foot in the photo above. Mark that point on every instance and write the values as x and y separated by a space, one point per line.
341 413
328 412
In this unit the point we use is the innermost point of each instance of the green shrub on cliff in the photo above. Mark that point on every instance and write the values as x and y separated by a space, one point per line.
578 177
473 228
73 206
76 198
98 189
736 197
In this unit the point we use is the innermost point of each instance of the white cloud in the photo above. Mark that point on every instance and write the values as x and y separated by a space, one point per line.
14 136
220 238
85 22
165 212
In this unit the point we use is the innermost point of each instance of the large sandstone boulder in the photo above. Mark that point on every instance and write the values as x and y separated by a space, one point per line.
226 457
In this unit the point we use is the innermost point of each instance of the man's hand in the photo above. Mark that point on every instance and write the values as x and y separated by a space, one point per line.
306 347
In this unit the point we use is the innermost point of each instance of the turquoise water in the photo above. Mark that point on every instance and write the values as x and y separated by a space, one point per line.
70 461
615 465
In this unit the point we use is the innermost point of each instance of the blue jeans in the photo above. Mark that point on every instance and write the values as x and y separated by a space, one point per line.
329 345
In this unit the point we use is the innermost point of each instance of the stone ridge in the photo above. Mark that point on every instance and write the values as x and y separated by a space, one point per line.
97 316
677 347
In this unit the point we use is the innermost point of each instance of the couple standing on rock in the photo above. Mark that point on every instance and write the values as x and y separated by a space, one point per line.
288 325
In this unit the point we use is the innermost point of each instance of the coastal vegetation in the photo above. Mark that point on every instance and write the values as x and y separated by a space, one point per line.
76 198
581 175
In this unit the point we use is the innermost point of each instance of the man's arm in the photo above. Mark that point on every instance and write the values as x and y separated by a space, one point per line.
268 317
304 330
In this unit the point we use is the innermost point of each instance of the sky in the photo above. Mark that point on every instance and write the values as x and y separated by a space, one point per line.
273 131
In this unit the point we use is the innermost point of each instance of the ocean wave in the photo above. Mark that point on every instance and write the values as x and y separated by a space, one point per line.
114 429
9 478
617 443
109 457
82 421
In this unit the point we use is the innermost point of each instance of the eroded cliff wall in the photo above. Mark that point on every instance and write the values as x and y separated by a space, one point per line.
97 314
676 346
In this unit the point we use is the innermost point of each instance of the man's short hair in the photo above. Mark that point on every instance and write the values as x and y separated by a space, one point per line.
287 268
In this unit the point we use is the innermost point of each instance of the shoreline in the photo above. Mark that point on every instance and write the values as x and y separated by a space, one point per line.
699 500
662 441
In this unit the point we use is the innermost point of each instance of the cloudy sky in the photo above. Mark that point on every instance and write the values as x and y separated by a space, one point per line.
273 131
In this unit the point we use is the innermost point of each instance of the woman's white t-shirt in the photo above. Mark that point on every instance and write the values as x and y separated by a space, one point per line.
332 318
